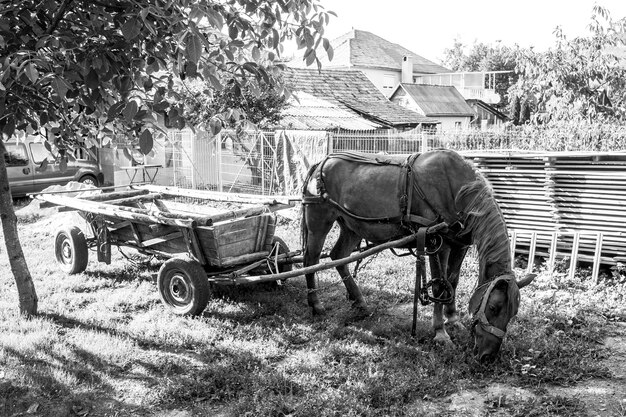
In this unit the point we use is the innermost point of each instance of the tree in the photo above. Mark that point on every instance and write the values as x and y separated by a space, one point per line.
485 57
524 113
87 70
578 79
515 111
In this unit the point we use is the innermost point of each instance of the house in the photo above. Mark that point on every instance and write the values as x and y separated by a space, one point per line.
384 63
443 103
380 60
485 114
352 92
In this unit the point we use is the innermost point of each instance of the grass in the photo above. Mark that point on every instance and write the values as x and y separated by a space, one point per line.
104 344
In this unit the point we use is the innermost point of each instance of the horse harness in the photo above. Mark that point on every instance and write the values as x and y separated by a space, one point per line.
479 317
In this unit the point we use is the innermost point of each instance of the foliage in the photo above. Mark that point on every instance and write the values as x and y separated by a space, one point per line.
563 135
85 70
231 105
485 57
578 79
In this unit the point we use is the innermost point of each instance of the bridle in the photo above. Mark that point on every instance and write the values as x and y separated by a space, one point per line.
480 318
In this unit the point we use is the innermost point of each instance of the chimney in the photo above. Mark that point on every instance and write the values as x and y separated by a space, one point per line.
407 70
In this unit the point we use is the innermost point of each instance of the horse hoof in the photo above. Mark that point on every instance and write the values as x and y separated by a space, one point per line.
319 311
443 339
361 311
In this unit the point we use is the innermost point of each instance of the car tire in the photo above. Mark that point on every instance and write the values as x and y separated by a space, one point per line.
89 180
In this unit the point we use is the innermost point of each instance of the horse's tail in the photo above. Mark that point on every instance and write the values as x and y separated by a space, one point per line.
303 226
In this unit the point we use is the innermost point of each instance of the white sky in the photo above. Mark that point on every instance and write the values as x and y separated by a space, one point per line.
429 27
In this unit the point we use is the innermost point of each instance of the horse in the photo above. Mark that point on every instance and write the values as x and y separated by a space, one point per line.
381 198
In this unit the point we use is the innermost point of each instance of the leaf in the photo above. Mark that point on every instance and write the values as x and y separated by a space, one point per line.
215 126
330 52
60 86
131 28
33 408
145 142
193 49
31 73
115 109
43 166
92 80
130 110
233 31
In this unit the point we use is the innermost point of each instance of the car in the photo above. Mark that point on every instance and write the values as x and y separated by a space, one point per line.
31 167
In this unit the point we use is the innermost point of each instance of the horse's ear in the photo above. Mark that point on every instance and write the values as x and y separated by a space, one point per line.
526 280
475 300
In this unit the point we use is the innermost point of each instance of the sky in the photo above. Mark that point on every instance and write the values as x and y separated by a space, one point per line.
427 28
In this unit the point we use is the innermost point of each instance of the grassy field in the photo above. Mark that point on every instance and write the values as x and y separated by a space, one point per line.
104 345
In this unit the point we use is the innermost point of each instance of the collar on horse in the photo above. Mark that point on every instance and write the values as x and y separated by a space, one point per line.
480 318
407 183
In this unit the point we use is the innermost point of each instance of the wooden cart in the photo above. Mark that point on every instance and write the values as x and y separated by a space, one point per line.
227 246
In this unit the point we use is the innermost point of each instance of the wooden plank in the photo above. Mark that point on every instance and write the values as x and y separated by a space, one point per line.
161 239
531 254
116 212
596 259
513 242
114 195
222 196
574 256
552 252
137 198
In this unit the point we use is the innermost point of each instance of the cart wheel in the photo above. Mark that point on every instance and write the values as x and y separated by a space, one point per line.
183 286
70 248
282 248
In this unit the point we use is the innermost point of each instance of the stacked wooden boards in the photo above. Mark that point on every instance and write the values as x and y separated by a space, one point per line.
562 204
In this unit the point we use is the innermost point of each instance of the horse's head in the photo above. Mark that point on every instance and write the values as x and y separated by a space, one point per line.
493 305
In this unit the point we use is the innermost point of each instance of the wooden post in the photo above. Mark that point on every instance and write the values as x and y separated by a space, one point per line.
531 252
513 243
597 257
552 253
574 259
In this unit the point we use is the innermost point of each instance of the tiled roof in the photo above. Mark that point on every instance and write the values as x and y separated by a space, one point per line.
352 90
438 100
306 112
364 49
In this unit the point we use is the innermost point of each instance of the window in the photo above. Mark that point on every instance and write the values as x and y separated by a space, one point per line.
389 81
457 125
16 155
40 153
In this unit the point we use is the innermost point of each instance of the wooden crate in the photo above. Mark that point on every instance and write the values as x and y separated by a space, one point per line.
230 242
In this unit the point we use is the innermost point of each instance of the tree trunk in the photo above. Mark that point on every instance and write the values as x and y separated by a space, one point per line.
23 280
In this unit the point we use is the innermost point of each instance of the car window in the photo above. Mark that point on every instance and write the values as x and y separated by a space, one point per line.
16 155
40 153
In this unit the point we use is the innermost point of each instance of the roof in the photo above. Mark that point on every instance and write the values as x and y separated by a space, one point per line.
488 107
351 90
306 112
437 100
359 48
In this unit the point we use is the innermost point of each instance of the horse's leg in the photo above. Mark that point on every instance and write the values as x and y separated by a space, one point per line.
344 246
440 259
318 223
455 260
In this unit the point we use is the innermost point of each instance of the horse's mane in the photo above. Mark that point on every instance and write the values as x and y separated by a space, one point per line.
485 225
